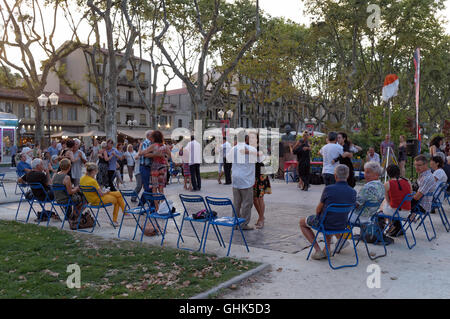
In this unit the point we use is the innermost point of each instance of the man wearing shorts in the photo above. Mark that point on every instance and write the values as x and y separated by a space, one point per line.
338 193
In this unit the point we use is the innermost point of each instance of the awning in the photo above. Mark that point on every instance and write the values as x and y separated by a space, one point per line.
65 133
136 134
92 133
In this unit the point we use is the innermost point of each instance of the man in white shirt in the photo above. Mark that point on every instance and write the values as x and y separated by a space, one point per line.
28 151
223 163
372 156
329 152
195 159
243 156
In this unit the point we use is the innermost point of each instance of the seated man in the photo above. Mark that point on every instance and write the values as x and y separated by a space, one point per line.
372 156
23 167
38 175
372 191
339 193
427 184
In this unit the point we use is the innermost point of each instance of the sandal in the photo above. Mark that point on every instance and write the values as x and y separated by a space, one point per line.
259 224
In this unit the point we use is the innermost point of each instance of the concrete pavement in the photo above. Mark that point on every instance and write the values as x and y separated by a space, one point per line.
422 272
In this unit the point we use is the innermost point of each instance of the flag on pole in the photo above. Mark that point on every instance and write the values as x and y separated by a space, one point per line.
417 86
390 87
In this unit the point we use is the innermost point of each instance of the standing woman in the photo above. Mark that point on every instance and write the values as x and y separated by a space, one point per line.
261 187
303 152
103 158
37 153
435 145
130 154
159 163
95 151
402 155
346 158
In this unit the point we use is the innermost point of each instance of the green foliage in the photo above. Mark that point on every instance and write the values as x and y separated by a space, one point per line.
317 142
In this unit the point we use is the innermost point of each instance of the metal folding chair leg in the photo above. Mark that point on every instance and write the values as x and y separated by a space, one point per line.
444 218
422 223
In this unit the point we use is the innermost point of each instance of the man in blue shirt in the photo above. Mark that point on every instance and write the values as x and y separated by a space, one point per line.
13 150
339 193
113 155
53 150
22 167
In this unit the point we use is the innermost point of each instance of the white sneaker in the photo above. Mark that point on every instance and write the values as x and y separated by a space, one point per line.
318 255
341 246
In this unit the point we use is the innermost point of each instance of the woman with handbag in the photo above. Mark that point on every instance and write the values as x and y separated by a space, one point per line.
261 187
62 197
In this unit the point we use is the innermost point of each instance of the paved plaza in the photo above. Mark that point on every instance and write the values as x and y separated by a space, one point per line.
422 272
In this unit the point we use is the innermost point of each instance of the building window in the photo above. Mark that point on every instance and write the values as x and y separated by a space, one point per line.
143 120
163 120
56 114
20 111
72 114
27 111
129 75
129 117
8 107
129 96
118 117
180 123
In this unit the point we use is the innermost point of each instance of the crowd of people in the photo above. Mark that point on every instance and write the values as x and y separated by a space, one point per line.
149 165
339 187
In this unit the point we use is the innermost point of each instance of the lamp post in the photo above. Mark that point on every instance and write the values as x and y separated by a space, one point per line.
131 123
43 102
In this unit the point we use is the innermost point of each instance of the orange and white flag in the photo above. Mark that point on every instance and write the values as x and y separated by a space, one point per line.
390 87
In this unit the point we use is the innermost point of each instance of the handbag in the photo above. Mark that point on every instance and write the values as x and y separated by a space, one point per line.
86 221
204 214
166 208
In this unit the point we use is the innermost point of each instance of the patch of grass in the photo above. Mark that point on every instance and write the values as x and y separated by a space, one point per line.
209 175
34 261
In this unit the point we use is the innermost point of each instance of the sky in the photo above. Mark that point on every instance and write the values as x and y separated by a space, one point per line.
289 9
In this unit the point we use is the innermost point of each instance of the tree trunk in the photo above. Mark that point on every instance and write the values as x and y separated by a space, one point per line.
39 132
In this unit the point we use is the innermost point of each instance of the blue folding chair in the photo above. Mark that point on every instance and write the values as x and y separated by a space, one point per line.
148 199
37 187
226 221
91 207
23 187
65 208
174 171
447 193
197 201
17 185
347 230
403 218
362 222
133 211
2 177
437 204
422 216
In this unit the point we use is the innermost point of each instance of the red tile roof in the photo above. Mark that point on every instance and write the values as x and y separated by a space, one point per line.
174 92
17 94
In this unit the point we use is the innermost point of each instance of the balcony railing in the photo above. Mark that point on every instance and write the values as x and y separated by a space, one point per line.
123 80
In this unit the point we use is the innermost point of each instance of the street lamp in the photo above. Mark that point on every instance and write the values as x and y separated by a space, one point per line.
132 123
43 101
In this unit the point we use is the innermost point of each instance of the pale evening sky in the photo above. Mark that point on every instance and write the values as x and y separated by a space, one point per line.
289 9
